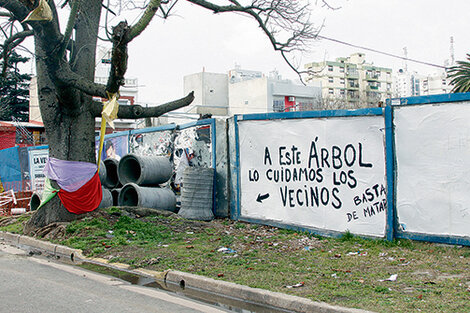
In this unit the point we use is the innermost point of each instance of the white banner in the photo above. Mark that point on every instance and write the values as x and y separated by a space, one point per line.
37 162
326 173
433 168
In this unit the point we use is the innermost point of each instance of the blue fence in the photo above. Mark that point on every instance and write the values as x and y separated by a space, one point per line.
243 160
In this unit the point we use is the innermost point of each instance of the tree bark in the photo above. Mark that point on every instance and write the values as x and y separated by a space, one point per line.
67 112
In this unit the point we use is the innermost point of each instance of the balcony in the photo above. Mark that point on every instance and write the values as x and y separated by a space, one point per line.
353 96
352 74
372 76
353 85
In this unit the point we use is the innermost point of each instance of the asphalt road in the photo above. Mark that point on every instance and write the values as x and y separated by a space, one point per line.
37 284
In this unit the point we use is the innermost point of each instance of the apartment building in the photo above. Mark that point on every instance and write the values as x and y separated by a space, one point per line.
351 80
435 83
408 84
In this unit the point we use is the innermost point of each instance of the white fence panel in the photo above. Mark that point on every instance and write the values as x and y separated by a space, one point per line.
323 173
433 168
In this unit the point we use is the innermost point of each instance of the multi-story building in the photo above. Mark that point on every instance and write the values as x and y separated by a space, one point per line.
243 91
413 84
407 84
435 83
351 80
272 94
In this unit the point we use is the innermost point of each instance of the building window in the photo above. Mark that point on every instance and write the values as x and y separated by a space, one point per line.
341 92
278 105
378 84
341 69
331 91
330 79
246 102
330 68
341 81
444 82
389 86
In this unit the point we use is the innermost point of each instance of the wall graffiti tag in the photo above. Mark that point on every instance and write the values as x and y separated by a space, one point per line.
321 173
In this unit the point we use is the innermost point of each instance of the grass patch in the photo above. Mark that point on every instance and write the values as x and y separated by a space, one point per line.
14 224
348 271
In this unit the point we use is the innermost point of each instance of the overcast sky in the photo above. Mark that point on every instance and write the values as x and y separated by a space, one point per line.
194 39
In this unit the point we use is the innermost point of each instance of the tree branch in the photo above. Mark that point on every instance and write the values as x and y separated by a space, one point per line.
118 58
70 25
19 10
10 44
137 111
276 18
13 41
72 79
6 14
144 21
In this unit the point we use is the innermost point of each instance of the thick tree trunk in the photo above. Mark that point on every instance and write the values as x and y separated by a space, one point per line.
71 136
67 113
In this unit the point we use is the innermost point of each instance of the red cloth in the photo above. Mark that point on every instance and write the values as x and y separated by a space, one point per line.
86 199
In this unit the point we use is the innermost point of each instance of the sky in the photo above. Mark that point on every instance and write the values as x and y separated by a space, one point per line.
194 39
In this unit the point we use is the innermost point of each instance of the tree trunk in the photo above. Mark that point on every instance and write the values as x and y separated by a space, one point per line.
67 113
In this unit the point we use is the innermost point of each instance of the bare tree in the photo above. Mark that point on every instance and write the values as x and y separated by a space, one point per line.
65 62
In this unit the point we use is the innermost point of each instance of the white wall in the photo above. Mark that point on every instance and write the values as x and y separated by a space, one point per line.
433 168
345 190
210 93
34 111
250 96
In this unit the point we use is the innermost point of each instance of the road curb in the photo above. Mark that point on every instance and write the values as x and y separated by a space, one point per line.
9 237
255 295
59 251
181 280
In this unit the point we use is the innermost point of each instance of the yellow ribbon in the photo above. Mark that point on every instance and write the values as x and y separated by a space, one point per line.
41 13
108 115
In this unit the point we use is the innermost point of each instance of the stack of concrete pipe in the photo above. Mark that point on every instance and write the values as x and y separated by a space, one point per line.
107 200
135 181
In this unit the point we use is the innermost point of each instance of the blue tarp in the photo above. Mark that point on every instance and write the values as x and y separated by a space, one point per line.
10 169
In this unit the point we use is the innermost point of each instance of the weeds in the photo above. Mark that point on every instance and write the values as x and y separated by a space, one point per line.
348 271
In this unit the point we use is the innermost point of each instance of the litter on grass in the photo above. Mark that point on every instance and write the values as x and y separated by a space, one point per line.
226 250
301 284
391 278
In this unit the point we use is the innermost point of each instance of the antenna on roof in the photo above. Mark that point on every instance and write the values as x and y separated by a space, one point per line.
405 53
452 56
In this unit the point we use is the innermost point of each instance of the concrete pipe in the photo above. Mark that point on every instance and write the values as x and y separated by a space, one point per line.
112 178
147 197
107 200
102 172
144 170
197 194
115 193
34 202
